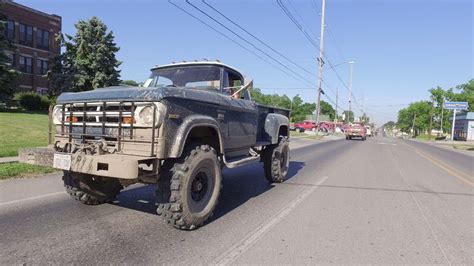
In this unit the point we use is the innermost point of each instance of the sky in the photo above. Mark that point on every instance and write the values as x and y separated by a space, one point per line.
401 48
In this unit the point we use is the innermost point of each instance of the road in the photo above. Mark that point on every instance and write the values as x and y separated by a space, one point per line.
379 201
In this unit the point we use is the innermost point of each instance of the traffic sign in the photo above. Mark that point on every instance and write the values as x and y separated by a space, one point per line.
456 105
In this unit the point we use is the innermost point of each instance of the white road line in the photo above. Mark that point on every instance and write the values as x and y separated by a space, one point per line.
240 247
32 198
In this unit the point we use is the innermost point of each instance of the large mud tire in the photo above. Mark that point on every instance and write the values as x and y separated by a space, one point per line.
276 161
91 190
189 188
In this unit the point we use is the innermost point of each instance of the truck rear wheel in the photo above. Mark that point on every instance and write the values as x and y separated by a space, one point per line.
194 183
276 161
89 189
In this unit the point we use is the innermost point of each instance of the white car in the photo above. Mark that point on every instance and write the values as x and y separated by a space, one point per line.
368 131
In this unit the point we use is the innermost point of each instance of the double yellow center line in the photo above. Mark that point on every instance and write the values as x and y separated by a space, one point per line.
448 168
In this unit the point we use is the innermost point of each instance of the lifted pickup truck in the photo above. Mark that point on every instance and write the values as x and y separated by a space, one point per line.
188 122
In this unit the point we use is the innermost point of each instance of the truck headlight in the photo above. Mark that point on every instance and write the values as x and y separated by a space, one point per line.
57 114
144 115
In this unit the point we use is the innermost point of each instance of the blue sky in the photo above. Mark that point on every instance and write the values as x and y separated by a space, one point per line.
401 48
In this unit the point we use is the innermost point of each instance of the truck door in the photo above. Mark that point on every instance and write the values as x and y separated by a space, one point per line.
241 113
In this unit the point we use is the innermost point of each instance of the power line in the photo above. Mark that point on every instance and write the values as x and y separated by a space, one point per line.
313 42
301 18
338 49
258 39
248 42
298 25
232 40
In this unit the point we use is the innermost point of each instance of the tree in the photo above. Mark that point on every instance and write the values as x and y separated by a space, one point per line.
364 118
89 60
8 75
299 109
466 94
60 73
406 116
348 116
327 109
131 83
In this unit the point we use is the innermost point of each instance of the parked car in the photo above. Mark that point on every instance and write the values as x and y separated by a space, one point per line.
355 130
305 125
178 131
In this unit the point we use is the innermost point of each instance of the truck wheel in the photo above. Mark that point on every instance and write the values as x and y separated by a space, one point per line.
276 160
194 183
89 189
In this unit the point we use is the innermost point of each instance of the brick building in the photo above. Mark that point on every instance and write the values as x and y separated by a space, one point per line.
33 35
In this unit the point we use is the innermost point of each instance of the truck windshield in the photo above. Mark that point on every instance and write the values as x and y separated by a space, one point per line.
199 77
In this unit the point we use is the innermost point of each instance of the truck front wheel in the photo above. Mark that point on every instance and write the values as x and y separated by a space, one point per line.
89 189
276 161
194 183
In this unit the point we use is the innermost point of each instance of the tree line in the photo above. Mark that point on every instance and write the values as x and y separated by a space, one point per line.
432 110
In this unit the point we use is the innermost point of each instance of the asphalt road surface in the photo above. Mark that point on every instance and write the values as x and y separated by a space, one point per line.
379 201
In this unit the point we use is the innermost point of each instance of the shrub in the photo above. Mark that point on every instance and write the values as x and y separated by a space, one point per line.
31 101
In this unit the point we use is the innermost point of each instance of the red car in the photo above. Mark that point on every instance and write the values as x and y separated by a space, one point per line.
305 125
355 130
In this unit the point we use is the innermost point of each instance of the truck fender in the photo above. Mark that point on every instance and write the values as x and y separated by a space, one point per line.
273 123
190 122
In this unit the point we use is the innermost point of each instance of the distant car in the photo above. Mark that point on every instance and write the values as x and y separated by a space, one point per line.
292 127
356 131
368 131
305 125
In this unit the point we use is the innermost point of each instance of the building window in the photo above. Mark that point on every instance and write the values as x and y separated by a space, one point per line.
42 39
42 66
26 34
26 64
10 30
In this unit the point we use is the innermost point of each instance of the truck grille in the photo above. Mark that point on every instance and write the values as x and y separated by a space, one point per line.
92 121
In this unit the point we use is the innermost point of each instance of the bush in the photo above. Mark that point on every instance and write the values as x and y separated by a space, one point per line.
31 101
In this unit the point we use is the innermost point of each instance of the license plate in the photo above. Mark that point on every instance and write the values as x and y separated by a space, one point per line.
62 161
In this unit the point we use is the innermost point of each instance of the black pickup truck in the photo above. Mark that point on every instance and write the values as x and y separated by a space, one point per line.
187 122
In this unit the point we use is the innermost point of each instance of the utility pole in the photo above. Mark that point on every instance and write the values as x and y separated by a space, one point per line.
351 63
441 124
413 126
335 115
431 118
454 123
321 63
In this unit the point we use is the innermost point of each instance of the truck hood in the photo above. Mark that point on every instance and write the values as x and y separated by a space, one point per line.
119 93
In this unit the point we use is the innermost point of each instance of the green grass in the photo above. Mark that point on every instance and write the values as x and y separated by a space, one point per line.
22 130
463 147
425 137
12 170
297 134
315 137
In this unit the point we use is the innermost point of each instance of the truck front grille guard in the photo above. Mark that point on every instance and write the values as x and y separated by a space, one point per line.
102 117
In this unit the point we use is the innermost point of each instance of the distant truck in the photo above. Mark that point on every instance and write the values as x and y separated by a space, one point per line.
187 122
355 130
305 125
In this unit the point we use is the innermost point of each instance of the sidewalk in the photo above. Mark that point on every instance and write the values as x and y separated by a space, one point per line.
9 160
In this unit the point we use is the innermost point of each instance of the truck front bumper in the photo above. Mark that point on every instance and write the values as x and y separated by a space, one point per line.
108 165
